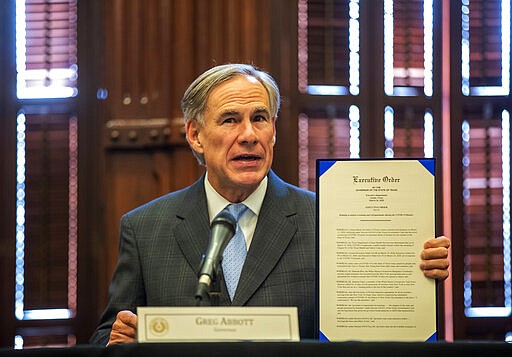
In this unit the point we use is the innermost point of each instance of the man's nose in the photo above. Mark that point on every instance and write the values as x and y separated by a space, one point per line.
247 133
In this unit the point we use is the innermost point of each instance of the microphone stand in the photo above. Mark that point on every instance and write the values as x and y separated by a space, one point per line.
207 294
215 292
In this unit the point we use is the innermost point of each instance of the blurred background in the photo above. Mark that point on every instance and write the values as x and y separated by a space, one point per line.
91 127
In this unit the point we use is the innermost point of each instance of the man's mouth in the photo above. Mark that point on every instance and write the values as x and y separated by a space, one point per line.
246 158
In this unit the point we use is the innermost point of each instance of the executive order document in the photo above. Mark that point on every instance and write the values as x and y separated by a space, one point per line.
373 218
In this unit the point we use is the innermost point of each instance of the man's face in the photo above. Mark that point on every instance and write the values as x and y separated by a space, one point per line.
237 139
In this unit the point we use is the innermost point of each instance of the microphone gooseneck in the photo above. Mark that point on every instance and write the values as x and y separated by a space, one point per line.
222 229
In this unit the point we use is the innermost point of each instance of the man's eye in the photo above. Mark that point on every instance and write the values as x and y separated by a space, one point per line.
260 118
229 120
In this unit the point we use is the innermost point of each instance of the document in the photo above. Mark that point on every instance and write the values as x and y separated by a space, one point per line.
373 218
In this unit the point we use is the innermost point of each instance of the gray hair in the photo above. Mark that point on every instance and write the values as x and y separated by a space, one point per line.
193 104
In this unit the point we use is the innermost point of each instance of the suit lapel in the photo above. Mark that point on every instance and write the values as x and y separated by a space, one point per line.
192 233
273 233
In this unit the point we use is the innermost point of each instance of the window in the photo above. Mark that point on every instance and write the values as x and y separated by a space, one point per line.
46 48
329 66
485 131
46 172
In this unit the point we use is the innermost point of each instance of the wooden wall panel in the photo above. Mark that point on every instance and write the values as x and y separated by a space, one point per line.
153 49
136 58
135 177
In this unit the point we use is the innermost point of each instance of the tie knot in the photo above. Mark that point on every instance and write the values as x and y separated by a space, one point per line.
236 210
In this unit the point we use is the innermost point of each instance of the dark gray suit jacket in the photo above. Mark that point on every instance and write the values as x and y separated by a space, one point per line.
162 242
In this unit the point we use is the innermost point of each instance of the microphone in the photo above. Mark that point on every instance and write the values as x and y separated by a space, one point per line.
223 228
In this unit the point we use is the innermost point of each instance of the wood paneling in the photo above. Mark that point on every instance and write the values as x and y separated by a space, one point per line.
154 49
150 51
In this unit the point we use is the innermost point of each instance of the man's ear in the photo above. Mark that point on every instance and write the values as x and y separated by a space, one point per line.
192 129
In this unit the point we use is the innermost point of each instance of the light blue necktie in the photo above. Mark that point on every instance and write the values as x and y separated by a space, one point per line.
234 255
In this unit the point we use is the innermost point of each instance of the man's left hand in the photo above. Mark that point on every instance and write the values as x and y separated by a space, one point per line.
434 258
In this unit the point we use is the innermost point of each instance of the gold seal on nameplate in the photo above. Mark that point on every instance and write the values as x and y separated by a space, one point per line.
159 326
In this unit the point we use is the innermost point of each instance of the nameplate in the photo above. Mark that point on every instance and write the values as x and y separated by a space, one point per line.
180 324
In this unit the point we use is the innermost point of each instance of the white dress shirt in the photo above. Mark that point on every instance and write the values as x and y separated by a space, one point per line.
216 203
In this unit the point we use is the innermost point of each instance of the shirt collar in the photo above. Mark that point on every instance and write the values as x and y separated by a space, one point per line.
217 203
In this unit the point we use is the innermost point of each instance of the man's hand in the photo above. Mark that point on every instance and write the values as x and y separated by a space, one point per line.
124 328
434 258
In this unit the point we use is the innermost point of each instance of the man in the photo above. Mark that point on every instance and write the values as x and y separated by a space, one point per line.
230 113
